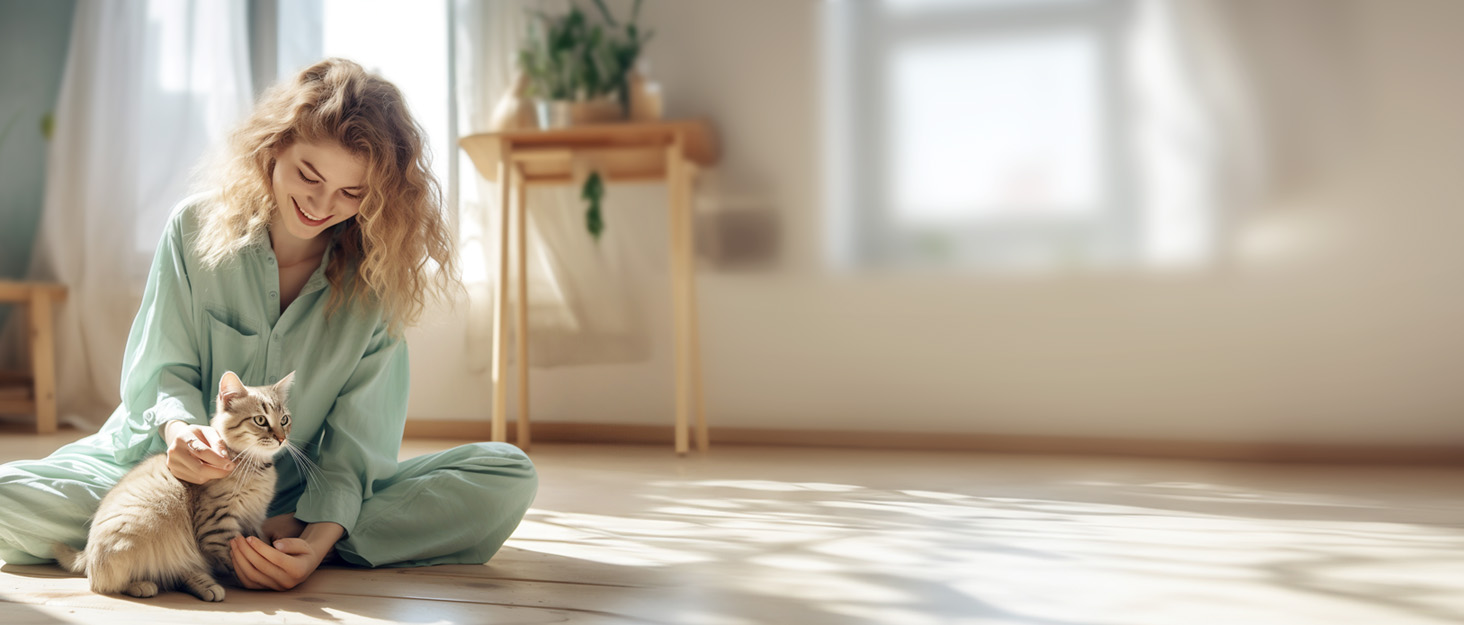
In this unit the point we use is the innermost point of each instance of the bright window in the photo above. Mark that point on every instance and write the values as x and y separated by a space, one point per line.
989 130
980 133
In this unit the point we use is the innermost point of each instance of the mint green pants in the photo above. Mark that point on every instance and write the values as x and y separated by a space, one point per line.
453 507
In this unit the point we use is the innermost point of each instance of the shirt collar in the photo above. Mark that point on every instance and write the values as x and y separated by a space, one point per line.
259 244
317 279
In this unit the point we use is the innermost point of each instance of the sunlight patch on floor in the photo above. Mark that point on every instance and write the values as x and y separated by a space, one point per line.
901 555
746 536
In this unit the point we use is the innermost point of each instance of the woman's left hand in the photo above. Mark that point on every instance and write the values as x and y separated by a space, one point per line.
258 565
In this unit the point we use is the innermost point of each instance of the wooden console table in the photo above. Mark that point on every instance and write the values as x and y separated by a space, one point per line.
625 152
34 392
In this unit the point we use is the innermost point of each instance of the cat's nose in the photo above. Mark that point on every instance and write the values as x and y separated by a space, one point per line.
281 439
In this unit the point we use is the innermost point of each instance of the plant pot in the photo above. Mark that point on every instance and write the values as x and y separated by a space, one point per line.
645 98
604 110
565 113
553 113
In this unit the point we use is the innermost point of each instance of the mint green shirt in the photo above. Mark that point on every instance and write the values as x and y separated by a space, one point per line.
349 401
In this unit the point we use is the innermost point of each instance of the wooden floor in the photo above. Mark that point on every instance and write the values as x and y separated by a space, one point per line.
748 535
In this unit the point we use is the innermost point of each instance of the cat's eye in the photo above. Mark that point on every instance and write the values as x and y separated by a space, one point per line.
285 420
261 421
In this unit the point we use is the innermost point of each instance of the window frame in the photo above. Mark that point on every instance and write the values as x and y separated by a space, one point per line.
865 35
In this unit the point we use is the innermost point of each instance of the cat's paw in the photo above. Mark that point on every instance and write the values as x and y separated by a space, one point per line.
214 592
142 589
204 587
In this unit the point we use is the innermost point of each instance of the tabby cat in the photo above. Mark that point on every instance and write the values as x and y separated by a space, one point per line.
154 532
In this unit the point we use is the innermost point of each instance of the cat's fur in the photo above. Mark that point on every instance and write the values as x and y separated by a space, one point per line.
154 532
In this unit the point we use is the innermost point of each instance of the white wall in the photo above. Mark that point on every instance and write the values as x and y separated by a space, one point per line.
1340 317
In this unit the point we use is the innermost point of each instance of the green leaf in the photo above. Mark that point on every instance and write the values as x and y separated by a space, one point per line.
593 192
576 55
605 11
594 222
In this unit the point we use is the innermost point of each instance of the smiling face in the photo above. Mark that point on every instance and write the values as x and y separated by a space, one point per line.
315 186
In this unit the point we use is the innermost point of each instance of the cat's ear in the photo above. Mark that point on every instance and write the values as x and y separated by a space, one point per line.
230 388
282 388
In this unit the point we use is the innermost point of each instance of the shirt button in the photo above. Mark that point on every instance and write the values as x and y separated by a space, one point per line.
270 259
276 338
273 294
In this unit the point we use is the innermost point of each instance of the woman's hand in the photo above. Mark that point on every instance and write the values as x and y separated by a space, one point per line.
196 453
258 565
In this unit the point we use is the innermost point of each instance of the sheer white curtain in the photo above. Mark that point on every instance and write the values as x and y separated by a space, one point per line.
149 85
581 307
1232 102
1199 132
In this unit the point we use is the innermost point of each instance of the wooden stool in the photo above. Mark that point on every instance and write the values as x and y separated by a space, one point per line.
34 392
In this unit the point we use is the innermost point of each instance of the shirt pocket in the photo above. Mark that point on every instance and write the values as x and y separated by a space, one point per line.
234 342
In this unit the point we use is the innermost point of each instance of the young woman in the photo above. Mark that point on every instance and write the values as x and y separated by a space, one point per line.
323 239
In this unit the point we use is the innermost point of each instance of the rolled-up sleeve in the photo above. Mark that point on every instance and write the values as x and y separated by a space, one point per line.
161 378
362 434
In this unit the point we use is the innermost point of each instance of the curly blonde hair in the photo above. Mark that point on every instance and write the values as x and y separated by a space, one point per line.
381 255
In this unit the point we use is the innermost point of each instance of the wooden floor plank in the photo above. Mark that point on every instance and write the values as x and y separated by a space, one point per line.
332 596
743 536
340 585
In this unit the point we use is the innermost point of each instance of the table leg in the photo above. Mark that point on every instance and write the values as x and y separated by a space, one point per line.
523 312
500 354
698 399
43 360
680 269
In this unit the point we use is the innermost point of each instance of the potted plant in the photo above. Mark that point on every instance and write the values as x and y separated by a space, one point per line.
579 70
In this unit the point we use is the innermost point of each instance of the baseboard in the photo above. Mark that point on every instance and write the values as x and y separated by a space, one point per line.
625 434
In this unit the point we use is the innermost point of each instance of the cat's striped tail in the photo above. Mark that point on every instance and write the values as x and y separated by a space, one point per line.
69 559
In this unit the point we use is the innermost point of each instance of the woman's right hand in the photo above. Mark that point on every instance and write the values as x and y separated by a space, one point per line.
196 453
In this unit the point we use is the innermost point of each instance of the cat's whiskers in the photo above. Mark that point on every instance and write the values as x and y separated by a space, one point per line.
311 471
238 458
251 468
240 473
